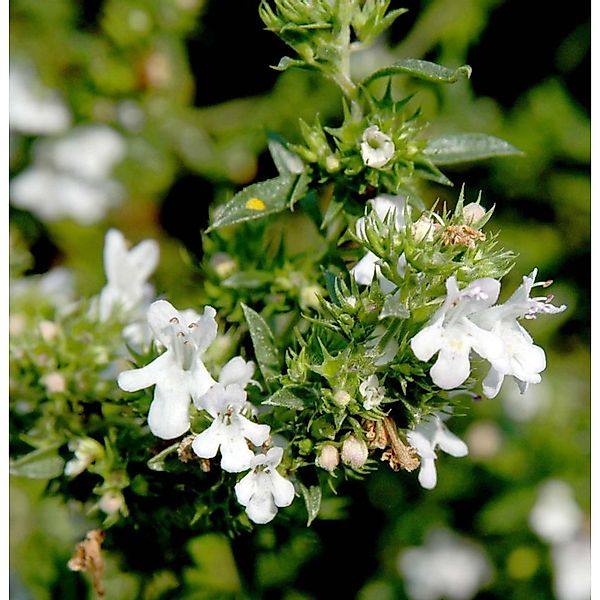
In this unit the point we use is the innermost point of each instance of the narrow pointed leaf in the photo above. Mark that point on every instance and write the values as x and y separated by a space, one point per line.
421 69
287 398
265 350
465 147
312 500
43 463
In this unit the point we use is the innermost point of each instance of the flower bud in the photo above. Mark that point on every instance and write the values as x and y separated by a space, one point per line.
342 398
54 383
222 264
332 164
48 329
329 458
423 229
309 296
354 452
111 502
472 213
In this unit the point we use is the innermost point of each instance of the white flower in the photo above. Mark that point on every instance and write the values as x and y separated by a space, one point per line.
32 108
447 566
372 392
127 271
179 373
556 516
523 359
366 268
376 148
56 287
426 437
452 334
229 430
263 489
573 569
86 451
70 176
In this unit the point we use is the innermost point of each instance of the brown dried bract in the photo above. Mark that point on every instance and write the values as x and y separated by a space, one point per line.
187 454
384 435
463 235
88 557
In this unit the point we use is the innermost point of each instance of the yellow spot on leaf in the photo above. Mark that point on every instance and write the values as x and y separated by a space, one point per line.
255 204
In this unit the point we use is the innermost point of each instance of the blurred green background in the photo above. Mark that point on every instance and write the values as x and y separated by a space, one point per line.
187 85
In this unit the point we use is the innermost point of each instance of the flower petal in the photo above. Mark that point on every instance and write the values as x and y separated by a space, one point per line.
245 488
138 379
492 382
427 473
255 432
282 489
237 370
364 269
235 454
452 366
159 315
169 412
206 444
143 259
451 443
115 249
261 509
428 341
206 332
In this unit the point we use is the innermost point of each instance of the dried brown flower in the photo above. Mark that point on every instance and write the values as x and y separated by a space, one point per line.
463 235
88 557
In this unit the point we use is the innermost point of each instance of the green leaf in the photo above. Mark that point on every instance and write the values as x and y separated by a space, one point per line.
248 279
464 147
44 463
265 350
287 398
421 69
287 63
257 201
286 161
393 307
312 500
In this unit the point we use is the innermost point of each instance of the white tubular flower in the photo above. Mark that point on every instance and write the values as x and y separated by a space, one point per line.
556 516
366 268
446 566
429 434
523 359
229 429
127 272
263 489
452 335
572 569
372 392
376 148
70 177
179 373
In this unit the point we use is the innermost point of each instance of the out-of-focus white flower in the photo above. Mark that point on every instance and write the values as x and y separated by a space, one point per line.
523 359
354 452
573 569
34 109
428 435
556 516
179 373
372 392
229 430
447 567
366 268
263 489
54 383
376 147
524 408
70 176
452 334
57 287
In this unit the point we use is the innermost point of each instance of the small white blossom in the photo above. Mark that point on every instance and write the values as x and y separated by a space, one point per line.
70 177
86 450
127 289
34 109
367 268
376 148
446 566
573 569
452 335
229 430
263 489
428 435
556 516
522 358
179 373
372 392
